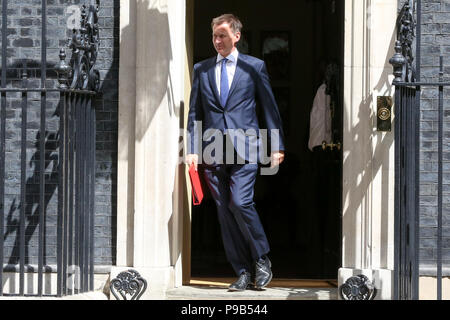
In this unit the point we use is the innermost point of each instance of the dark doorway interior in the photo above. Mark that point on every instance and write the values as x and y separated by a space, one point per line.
300 207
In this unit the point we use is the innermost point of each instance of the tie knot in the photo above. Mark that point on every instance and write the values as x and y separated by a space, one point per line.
224 60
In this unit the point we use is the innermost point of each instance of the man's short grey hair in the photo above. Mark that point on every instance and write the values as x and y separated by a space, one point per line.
232 20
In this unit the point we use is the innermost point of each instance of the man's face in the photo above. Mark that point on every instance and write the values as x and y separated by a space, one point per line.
224 39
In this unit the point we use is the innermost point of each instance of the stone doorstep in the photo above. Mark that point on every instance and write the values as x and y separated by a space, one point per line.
193 292
213 293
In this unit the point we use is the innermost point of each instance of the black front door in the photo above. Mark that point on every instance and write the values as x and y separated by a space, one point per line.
300 207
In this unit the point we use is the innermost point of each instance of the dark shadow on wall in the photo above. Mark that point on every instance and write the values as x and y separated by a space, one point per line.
358 191
385 88
106 106
152 83
154 25
31 187
32 205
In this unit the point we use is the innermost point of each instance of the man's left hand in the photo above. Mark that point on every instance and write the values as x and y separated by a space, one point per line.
276 158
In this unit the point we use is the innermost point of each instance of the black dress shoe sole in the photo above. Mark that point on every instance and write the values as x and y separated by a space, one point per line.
236 290
249 286
264 285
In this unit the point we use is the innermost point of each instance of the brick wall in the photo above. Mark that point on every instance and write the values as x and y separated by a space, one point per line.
24 41
435 37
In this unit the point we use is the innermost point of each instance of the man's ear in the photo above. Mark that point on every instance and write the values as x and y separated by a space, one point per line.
238 36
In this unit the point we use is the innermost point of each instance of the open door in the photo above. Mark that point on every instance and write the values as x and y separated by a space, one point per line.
301 206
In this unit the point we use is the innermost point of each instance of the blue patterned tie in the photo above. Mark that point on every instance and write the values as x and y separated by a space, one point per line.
224 83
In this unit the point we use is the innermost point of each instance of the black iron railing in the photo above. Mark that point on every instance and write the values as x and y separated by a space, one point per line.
73 159
408 92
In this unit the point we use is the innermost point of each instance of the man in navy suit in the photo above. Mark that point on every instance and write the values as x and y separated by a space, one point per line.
223 105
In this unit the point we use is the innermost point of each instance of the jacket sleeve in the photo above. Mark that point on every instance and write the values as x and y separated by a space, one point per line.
195 116
270 109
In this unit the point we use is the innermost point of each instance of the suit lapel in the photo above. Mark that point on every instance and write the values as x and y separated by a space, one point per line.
212 79
237 74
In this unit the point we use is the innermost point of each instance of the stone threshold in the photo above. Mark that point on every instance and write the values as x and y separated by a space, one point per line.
273 293
278 289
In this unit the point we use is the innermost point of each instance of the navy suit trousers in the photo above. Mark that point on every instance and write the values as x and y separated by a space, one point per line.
232 187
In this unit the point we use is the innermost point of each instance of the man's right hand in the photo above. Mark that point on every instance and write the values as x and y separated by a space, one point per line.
192 159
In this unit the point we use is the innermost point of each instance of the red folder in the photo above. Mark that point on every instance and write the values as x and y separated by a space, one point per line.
197 192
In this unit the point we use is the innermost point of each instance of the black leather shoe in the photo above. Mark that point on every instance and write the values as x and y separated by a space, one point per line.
263 273
242 283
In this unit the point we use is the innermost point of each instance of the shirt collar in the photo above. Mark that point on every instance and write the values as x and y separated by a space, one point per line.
233 56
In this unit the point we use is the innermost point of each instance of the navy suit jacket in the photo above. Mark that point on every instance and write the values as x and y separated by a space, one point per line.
250 83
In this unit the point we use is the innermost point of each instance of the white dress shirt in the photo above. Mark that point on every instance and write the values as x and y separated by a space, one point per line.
231 67
320 119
